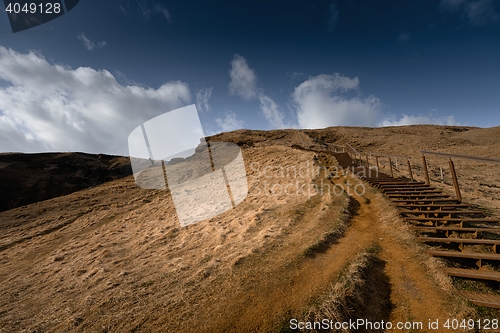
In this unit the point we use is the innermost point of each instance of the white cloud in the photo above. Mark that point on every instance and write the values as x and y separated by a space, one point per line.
90 45
164 11
418 120
202 97
271 112
123 10
146 10
475 12
295 75
482 13
404 37
244 84
243 79
230 122
48 107
321 102
16 140
332 17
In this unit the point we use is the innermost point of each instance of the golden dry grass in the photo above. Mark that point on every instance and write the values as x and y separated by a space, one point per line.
114 259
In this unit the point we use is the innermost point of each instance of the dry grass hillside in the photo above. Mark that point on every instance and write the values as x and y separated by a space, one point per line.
480 182
303 244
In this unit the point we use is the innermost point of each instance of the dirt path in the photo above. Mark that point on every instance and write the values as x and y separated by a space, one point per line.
414 293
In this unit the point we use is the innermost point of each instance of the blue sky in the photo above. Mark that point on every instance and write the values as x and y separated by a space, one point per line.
84 81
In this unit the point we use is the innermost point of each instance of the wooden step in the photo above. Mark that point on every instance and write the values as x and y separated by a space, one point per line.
378 181
453 219
413 192
403 180
457 229
491 301
381 176
387 180
434 206
387 184
426 201
454 212
409 187
426 196
465 255
479 274
461 241
458 240
394 181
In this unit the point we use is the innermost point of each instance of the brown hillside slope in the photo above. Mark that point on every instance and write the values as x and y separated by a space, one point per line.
113 258
480 182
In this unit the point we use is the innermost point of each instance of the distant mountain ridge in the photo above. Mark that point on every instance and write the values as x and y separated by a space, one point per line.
29 178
